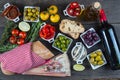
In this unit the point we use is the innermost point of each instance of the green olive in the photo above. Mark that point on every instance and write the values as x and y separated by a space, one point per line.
59 46
37 12
63 46
93 55
94 63
26 18
33 10
30 14
100 62
29 9
98 58
32 19
63 41
58 43
63 49
99 53
92 60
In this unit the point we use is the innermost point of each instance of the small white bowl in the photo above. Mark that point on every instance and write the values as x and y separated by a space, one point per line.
81 36
67 46
49 40
37 20
17 17
66 13
97 66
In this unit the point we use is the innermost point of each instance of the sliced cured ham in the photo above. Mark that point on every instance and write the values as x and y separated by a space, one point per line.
58 66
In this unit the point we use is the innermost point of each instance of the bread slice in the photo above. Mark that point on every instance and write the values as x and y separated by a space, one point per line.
68 26
71 28
41 50
74 35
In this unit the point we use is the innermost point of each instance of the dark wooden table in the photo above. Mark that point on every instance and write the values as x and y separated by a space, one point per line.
112 9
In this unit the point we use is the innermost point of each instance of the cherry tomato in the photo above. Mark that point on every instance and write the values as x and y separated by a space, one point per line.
74 5
52 29
22 35
20 41
70 11
76 13
41 34
45 30
13 39
15 32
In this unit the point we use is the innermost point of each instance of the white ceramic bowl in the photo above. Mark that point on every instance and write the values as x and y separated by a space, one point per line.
17 17
97 66
66 13
67 46
37 20
49 40
89 46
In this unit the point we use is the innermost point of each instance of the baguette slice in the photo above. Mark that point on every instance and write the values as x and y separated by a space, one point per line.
68 26
74 35
41 50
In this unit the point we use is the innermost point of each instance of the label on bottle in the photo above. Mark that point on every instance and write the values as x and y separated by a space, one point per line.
117 51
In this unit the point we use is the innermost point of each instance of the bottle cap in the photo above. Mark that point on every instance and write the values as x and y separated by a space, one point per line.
97 5
102 15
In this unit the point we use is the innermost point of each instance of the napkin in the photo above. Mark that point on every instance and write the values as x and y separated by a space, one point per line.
21 59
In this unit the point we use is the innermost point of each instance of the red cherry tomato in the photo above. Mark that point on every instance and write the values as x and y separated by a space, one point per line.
13 39
70 11
20 41
52 30
41 34
76 13
74 5
22 35
45 30
15 32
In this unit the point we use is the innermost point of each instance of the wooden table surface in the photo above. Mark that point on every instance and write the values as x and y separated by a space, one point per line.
112 9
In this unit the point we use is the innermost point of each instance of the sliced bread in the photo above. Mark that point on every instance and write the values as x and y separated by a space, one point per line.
71 28
68 26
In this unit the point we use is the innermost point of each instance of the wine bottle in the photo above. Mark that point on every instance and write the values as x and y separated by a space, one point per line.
110 42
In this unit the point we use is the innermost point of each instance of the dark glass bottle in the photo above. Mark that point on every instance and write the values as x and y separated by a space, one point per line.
110 42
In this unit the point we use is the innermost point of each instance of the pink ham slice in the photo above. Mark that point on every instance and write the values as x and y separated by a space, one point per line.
58 66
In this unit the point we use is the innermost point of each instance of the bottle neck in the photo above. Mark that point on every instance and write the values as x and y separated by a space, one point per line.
102 16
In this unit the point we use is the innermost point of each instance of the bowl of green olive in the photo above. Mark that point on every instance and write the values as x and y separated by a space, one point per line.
31 14
96 59
62 42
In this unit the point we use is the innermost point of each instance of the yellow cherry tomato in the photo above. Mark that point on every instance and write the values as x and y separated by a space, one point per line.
55 18
53 9
44 15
